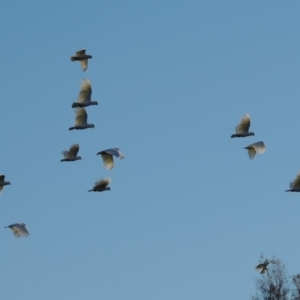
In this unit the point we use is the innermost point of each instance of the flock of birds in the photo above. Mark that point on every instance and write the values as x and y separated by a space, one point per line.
81 122
242 130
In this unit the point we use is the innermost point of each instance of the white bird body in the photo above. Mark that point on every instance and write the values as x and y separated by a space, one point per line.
82 57
85 95
295 184
101 185
107 156
18 229
255 148
242 130
81 120
71 155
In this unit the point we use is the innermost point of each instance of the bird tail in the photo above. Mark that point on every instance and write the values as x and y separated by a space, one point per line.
288 190
71 128
73 58
90 191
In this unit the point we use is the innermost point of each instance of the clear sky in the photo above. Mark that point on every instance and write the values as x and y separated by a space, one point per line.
188 214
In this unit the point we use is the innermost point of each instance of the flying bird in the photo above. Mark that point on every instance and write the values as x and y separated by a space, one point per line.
82 58
18 229
3 182
262 267
71 155
255 148
108 157
101 185
242 130
85 94
295 184
81 120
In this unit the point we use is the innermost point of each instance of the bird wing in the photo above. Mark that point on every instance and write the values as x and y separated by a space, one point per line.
2 179
81 116
260 147
85 93
65 153
102 183
73 151
255 148
15 231
244 124
296 182
84 64
251 152
108 160
20 230
116 152
260 266
81 52
263 270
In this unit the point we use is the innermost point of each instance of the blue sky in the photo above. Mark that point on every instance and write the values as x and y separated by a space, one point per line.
188 213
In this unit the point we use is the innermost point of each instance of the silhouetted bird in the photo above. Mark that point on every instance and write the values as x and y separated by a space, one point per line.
71 155
108 159
81 120
18 229
82 58
101 185
85 94
242 130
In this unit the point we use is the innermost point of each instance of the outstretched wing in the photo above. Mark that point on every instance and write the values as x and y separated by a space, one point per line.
108 160
2 180
295 184
81 52
244 124
20 230
81 116
102 183
84 64
73 151
263 271
259 267
251 152
116 152
85 93
255 148
260 147
65 153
